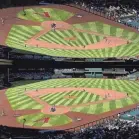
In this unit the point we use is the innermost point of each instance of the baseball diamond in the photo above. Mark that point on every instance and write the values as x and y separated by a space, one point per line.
85 97
41 97
82 39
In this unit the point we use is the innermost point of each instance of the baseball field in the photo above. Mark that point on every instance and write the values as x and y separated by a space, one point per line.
85 39
72 98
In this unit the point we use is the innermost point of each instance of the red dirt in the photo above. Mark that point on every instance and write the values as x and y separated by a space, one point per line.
9 14
70 38
10 120
70 97
46 14
109 41
110 94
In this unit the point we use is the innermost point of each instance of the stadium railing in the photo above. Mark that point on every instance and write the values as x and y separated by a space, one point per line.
99 13
94 11
98 122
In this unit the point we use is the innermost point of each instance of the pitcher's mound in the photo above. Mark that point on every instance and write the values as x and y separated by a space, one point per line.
70 38
59 110
70 97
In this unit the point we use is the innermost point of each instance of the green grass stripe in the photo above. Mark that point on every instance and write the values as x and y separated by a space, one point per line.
99 27
46 96
119 32
112 105
106 107
124 102
81 98
99 108
23 98
61 36
92 26
67 102
135 36
27 104
55 14
51 38
57 37
88 38
73 93
125 34
78 95
130 35
57 95
87 98
113 31
92 98
19 34
76 34
106 29
58 99
136 40
124 86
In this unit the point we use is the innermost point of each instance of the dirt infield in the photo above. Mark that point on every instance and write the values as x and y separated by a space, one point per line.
107 95
10 16
109 41
10 19
10 119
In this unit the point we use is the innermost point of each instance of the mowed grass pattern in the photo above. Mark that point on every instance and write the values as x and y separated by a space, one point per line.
108 30
124 86
81 39
61 98
37 120
37 14
19 34
20 101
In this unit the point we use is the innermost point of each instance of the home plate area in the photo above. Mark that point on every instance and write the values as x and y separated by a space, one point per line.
63 102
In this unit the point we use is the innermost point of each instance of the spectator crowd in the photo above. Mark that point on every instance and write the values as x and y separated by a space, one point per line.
109 129
40 75
126 14
29 56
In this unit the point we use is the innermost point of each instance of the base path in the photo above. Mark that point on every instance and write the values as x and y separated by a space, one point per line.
10 119
111 95
107 42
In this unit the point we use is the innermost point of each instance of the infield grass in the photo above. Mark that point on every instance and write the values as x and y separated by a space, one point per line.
19 34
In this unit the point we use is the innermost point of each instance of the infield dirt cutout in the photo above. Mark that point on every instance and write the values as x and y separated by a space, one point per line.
111 95
70 38
70 97
107 42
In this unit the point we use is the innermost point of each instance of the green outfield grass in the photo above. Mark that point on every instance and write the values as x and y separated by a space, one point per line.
80 98
108 30
124 86
82 39
37 14
19 100
19 34
37 120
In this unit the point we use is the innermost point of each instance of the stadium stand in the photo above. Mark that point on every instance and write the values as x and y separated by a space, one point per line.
108 129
